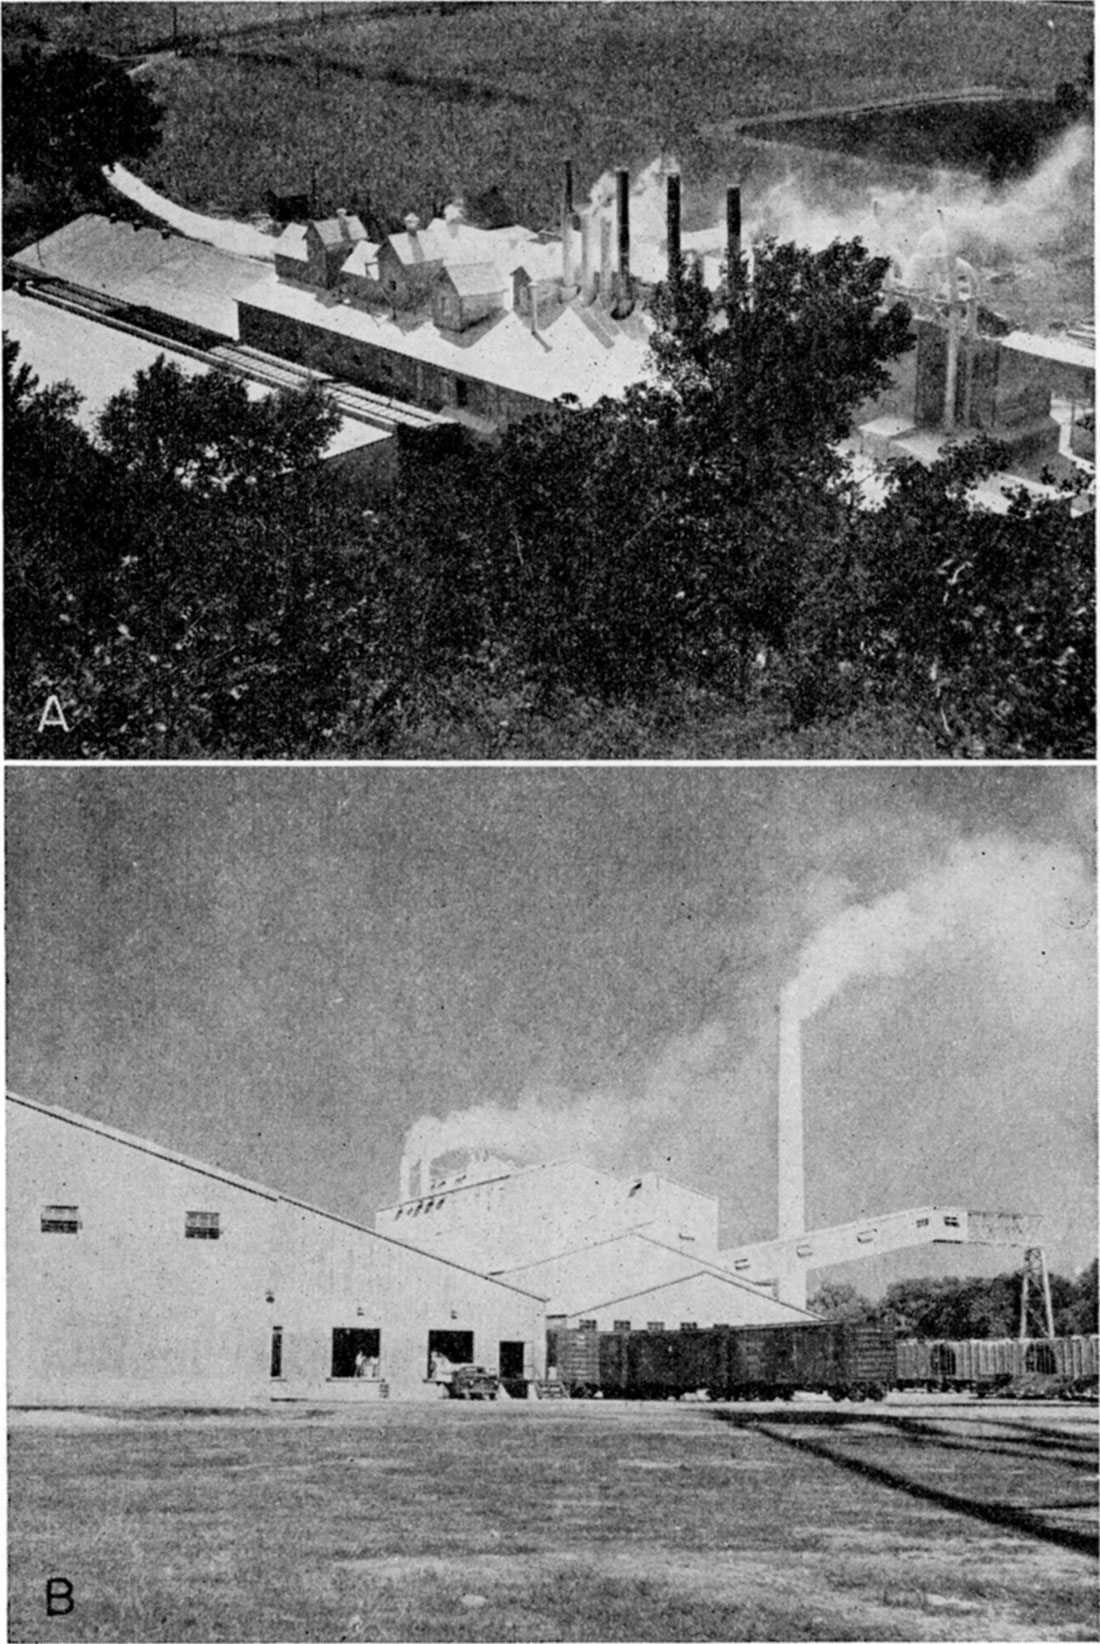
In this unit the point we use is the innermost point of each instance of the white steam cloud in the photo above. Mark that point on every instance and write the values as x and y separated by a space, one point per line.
1009 918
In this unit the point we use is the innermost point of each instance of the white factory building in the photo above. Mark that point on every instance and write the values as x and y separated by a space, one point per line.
604 1249
138 1276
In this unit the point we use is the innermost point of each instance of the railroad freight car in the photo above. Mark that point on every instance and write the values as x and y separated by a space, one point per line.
1063 1365
726 1362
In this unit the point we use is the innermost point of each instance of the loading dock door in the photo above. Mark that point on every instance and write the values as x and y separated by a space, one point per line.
347 1345
511 1361
455 1345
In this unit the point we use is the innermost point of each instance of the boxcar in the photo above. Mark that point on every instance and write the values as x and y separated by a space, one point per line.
727 1362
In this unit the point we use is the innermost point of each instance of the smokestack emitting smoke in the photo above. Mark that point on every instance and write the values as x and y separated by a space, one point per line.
1009 916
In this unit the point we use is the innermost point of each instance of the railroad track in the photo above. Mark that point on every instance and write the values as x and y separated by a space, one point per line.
238 359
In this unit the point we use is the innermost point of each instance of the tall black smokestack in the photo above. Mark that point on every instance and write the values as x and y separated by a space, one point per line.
733 226
568 249
673 225
622 179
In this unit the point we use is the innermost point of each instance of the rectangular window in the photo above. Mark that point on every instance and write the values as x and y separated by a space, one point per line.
688 1324
60 1218
276 1351
202 1224
655 1324
588 1324
950 1221
355 1352
462 393
621 1324
922 1221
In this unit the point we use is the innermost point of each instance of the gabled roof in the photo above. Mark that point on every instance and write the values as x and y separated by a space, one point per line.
474 279
337 231
361 259
292 242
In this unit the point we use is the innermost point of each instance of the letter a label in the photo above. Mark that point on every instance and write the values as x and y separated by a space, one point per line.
59 1596
53 714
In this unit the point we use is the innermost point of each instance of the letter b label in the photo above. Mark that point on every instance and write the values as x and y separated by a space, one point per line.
59 1596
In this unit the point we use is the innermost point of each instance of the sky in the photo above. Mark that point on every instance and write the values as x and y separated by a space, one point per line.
283 971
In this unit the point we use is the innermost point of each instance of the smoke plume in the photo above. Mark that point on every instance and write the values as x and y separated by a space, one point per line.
1005 917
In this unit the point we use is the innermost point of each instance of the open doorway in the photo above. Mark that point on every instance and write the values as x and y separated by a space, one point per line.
355 1353
453 1346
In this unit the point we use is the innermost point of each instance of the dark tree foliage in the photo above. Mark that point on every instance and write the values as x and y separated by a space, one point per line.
982 623
206 435
183 589
68 113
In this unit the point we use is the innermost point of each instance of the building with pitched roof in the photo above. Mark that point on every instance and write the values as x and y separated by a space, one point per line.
136 1275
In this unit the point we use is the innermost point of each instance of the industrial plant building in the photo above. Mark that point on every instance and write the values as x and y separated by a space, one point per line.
449 321
139 1276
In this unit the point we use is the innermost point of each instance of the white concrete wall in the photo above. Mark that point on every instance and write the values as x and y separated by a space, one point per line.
702 1299
547 1209
128 1308
335 1276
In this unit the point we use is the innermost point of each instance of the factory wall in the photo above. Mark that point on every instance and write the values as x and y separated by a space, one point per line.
337 1277
126 1307
701 1299
1009 391
113 1303
382 370
544 1210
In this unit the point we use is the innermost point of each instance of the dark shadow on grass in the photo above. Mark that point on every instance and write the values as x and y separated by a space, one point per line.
1002 1514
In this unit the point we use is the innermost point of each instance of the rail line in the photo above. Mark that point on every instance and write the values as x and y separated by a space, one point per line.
237 359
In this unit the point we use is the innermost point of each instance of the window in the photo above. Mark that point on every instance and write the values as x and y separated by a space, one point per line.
202 1224
276 1351
950 1221
60 1218
922 1221
355 1353
462 393
655 1324
588 1324
621 1324
688 1324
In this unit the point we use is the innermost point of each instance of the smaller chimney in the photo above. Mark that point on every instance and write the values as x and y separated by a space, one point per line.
673 225
588 273
733 226
605 259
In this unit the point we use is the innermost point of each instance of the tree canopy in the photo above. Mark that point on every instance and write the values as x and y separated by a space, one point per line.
688 565
68 113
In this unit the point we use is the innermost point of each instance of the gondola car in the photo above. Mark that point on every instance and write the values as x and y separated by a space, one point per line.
1065 1365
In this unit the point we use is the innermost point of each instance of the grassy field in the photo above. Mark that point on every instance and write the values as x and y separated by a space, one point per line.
396 110
930 1519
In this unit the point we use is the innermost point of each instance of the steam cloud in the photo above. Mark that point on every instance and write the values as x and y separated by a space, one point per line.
1012 913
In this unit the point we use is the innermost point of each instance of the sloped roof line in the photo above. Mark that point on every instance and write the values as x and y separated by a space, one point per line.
141 1145
583 1249
670 1284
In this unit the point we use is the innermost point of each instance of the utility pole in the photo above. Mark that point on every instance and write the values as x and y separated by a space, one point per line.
1036 1313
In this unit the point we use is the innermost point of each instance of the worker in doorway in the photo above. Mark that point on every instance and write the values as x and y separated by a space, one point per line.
441 1369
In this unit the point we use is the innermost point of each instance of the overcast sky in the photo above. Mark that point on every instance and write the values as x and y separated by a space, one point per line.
282 970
